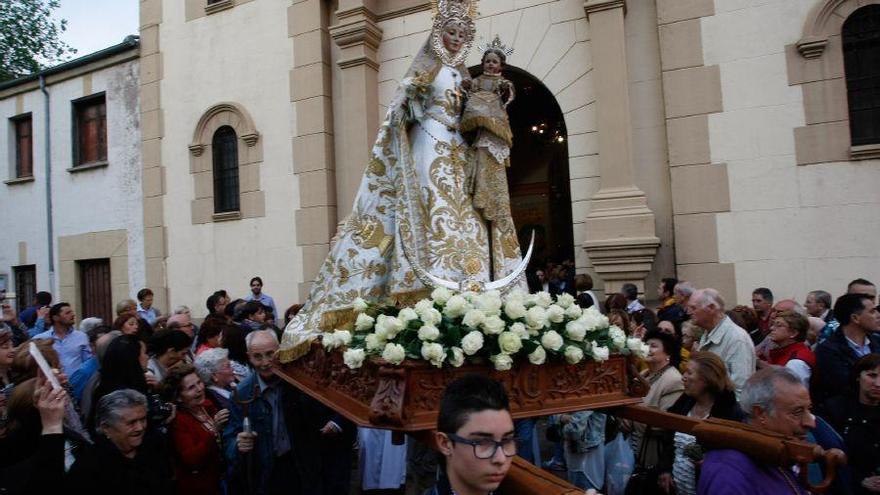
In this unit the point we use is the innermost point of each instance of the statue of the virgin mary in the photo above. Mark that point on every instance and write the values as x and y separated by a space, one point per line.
413 225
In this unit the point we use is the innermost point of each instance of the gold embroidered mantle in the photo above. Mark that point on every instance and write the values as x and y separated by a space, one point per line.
413 196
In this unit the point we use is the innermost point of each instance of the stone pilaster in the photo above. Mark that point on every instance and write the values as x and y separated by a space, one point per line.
152 131
313 137
358 35
620 231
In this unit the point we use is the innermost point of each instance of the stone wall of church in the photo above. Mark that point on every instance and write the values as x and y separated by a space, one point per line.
787 222
227 67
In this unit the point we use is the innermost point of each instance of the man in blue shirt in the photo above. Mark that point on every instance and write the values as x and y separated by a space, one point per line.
71 345
258 295
145 308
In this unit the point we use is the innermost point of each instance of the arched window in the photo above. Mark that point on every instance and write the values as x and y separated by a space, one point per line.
861 58
225 159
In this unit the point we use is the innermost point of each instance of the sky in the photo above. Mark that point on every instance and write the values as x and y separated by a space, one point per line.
93 25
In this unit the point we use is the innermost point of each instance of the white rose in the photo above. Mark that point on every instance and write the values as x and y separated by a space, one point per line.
359 305
565 300
429 332
394 353
617 336
573 354
343 336
538 356
381 328
536 318
336 339
543 299
493 325
473 318
434 353
490 303
552 340
441 295
637 347
407 315
573 312
363 323
472 342
509 342
373 342
423 305
502 362
600 353
514 309
517 295
457 358
353 358
431 317
520 329
387 327
456 306
576 330
555 314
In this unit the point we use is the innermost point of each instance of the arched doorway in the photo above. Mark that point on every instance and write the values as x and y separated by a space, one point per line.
540 192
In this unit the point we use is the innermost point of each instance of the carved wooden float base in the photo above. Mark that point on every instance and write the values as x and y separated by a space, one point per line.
407 397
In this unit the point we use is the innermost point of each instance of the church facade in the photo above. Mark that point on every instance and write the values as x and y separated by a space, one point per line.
705 139
730 143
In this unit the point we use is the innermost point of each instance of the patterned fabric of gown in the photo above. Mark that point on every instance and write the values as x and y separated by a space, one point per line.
411 206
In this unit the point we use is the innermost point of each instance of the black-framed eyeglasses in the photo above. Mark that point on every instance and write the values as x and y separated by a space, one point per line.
485 448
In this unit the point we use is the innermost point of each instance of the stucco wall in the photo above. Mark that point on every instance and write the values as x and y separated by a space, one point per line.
101 199
791 228
242 55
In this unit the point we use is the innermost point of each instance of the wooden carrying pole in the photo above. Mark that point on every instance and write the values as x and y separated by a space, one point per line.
764 446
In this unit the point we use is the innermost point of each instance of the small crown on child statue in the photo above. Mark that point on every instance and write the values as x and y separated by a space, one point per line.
496 44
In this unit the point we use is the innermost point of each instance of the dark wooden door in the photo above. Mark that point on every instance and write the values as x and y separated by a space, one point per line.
25 285
95 289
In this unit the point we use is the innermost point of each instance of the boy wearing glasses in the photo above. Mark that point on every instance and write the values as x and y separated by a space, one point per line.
475 436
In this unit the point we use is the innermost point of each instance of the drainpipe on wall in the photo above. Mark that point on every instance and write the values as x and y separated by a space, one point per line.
48 151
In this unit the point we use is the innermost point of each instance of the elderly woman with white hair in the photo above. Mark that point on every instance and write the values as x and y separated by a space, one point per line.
126 457
215 370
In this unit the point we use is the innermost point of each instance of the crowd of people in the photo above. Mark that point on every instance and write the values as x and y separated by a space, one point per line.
153 403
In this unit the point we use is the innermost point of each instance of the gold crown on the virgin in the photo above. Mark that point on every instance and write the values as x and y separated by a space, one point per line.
496 44
449 10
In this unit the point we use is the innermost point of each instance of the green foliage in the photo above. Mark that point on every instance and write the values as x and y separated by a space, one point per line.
30 37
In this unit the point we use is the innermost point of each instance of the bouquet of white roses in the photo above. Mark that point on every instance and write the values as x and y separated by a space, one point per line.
451 328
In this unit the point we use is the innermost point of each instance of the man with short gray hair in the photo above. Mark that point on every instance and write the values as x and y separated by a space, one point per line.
319 463
125 457
774 399
723 337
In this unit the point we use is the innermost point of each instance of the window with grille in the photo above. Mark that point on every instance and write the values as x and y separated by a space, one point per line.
25 286
90 130
861 58
95 290
225 159
24 145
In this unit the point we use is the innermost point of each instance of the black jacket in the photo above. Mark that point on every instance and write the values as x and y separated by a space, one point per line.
725 407
859 425
102 469
834 360
40 471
